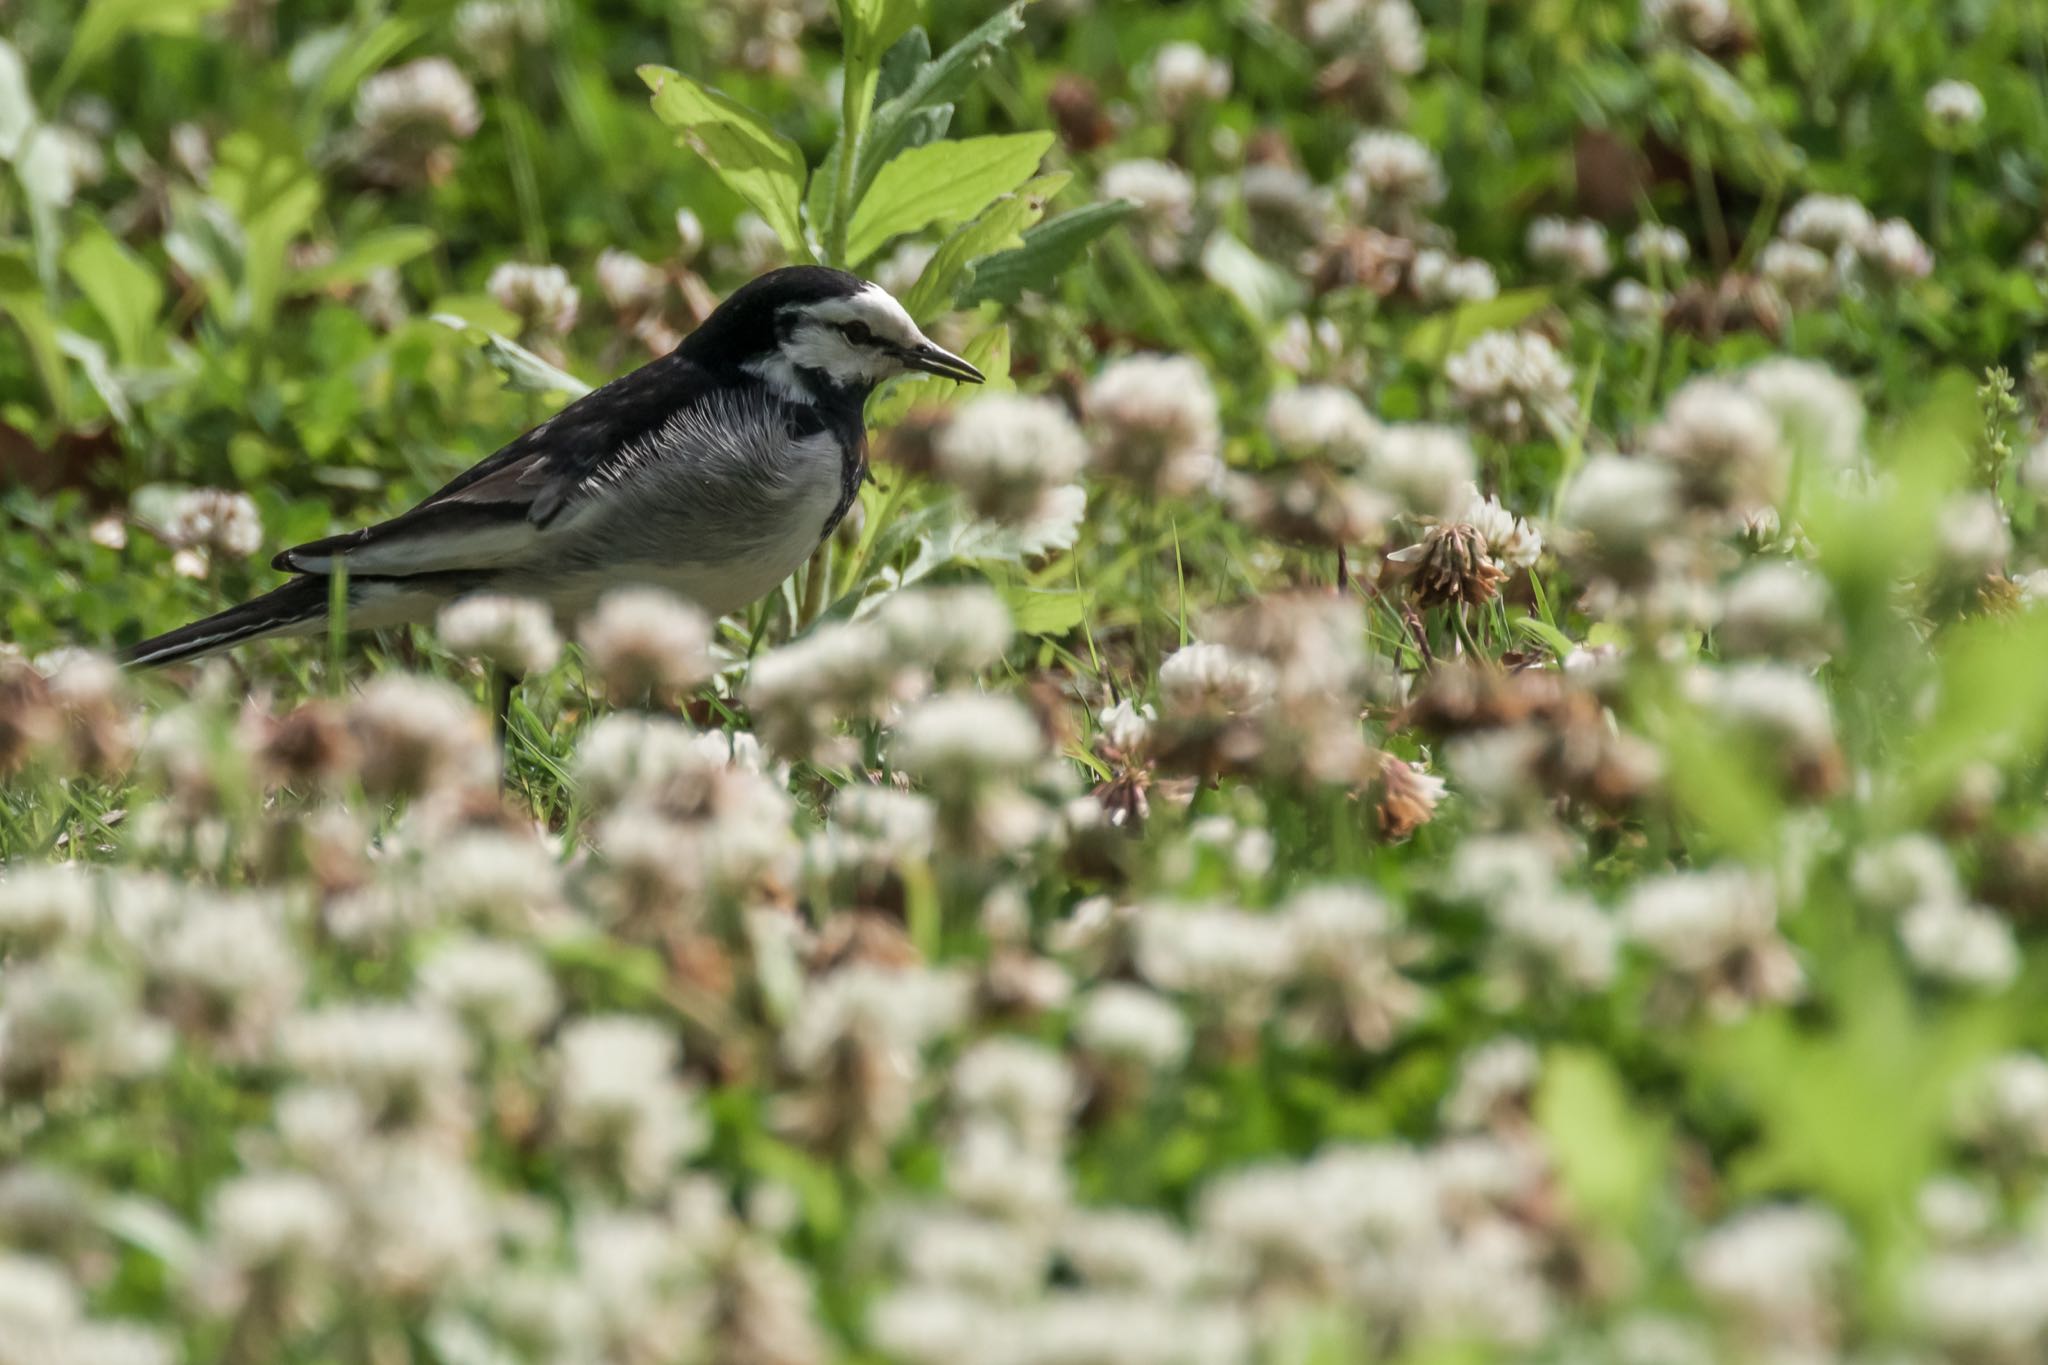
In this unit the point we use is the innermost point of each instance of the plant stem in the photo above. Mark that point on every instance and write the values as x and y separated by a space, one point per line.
855 99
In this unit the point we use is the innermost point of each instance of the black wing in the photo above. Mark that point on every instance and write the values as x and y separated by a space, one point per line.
491 511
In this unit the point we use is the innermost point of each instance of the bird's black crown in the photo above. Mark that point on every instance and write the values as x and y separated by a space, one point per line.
744 325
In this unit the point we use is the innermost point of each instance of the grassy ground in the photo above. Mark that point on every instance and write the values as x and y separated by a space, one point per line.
1447 766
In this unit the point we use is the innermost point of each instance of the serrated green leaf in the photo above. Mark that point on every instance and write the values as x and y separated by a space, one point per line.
376 250
760 165
125 292
941 184
1045 613
895 126
1049 248
999 229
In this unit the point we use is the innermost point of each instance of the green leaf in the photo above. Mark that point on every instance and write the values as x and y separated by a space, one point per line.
1265 291
942 183
1991 705
375 250
262 179
1609 1156
900 122
1448 333
1045 613
1049 248
103 23
124 290
761 165
871 27
21 299
524 371
1000 228
17 109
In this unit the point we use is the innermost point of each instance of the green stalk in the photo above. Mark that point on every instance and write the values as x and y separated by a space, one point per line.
856 99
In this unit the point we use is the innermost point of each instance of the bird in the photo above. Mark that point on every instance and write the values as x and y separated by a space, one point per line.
712 472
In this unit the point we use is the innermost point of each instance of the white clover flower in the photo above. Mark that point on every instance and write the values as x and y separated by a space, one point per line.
227 972
1154 421
959 740
43 905
273 1218
1778 607
515 634
1898 252
1820 413
1704 24
1429 469
1511 382
1727 445
403 1062
429 93
1805 275
617 1101
1777 1267
1132 1250
1025 1086
645 642
1395 168
1717 928
493 31
1206 678
1984 1303
1164 200
1491 1078
68 1022
1129 1023
1322 422
1953 1210
1550 936
1440 279
1781 703
1954 105
215 520
540 296
500 989
418 734
1621 505
628 283
1654 245
1637 303
1910 870
1828 223
1973 536
420 1222
873 829
2005 1105
1575 249
37 1297
1185 77
689 235
954 631
1234 958
1007 452
1965 945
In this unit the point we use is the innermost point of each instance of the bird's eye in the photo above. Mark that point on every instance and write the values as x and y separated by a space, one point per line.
858 333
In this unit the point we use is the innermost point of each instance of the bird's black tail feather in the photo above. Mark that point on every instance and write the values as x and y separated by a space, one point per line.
297 603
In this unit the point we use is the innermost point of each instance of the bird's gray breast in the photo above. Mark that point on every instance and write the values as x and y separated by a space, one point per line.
726 480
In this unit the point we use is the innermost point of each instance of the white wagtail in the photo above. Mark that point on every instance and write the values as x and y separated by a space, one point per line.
713 472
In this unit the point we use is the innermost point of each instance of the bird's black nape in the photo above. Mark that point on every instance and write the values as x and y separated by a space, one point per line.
744 325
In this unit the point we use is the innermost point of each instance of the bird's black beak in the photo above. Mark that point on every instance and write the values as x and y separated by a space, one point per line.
945 364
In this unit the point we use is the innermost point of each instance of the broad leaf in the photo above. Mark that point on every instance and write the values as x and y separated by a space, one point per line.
524 371
1610 1156
105 22
941 184
375 250
901 121
1265 291
761 165
124 290
21 299
1449 333
999 229
1048 249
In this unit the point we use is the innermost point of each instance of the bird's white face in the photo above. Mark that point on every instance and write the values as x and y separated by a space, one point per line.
855 342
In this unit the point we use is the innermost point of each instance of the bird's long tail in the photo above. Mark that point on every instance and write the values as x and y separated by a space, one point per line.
285 610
